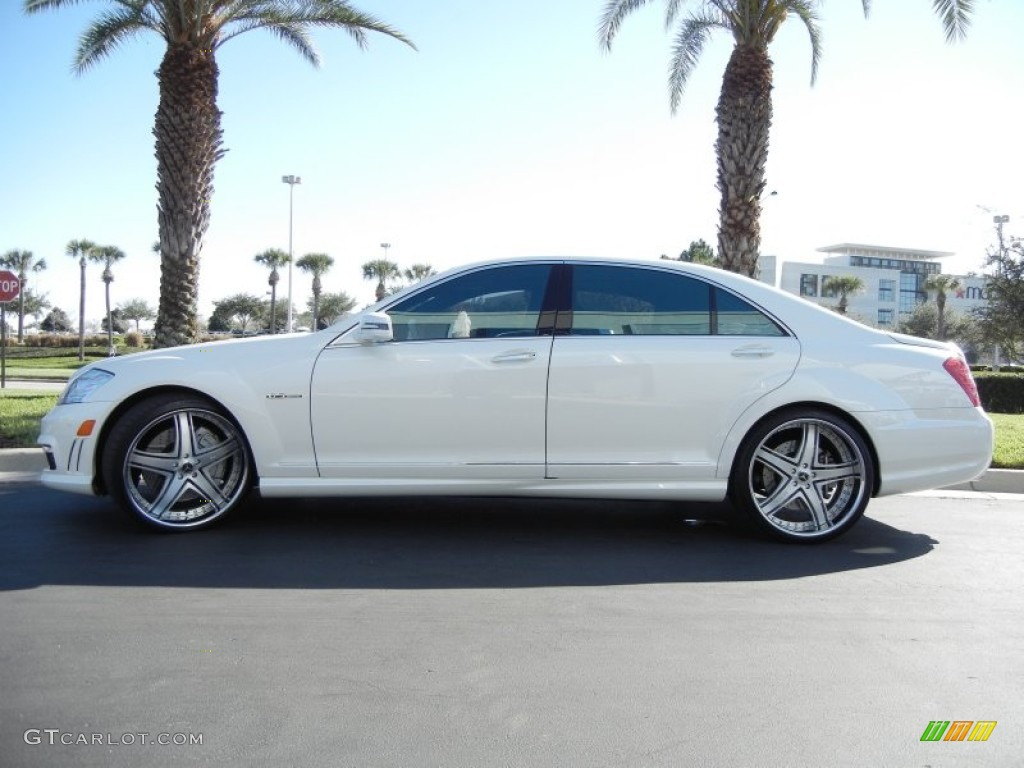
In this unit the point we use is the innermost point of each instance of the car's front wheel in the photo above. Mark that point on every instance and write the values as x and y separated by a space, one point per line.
803 476
176 463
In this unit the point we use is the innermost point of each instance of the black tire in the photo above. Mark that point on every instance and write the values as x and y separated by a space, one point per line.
176 463
803 476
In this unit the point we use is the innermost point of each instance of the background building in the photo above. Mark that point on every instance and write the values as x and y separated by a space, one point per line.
894 280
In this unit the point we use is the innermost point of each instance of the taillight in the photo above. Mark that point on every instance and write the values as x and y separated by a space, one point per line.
957 368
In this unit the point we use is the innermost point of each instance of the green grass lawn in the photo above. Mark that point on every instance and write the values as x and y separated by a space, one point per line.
21 410
1009 453
57 367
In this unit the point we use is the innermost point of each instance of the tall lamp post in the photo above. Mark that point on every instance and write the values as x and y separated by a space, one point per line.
385 246
291 181
999 221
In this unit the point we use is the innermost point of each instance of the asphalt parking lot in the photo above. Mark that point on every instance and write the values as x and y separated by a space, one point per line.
477 633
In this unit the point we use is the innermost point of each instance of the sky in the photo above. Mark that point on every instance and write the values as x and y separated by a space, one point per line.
509 132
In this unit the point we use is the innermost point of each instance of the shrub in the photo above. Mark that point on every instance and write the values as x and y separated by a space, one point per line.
133 339
1001 392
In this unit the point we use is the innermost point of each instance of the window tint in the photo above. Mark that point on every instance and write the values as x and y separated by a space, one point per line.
501 301
623 300
736 317
637 302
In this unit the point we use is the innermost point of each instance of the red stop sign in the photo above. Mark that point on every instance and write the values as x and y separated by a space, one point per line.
10 285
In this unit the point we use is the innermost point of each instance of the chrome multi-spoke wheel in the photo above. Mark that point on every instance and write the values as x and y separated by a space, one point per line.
804 477
176 463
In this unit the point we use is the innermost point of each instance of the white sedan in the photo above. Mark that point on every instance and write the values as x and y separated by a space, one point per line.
545 377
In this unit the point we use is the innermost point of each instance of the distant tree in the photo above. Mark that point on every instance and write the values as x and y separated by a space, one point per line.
35 303
107 255
316 264
1001 318
273 258
381 270
418 272
80 249
118 324
242 309
220 321
23 262
56 321
331 307
923 321
699 252
941 285
137 310
842 286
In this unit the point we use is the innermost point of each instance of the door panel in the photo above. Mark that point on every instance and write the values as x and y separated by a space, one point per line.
459 394
652 370
444 408
621 406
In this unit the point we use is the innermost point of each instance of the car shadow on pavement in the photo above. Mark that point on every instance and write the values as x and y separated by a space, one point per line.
440 543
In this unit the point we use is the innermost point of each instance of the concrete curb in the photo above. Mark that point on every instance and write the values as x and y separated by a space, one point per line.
25 464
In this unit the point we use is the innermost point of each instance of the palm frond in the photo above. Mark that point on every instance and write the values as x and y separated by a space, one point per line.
34 6
671 11
291 23
686 50
956 17
109 31
293 34
615 12
807 12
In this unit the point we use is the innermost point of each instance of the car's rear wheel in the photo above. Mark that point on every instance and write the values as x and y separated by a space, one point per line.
803 476
176 463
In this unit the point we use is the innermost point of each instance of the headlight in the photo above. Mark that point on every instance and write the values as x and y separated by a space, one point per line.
81 387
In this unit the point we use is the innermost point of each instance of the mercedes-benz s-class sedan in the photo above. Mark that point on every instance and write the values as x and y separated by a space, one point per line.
553 377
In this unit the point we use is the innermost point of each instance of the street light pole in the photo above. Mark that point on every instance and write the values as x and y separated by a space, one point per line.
291 181
385 246
999 221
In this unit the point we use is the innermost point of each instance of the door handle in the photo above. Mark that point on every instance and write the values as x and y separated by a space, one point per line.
753 352
516 356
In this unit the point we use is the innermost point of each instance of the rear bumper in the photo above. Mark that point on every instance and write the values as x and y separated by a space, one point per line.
925 449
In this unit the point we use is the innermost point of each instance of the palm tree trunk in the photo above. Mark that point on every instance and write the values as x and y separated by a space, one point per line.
316 301
188 145
940 305
744 116
81 313
110 325
21 309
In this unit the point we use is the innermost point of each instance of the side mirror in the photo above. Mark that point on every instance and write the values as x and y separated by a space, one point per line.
374 327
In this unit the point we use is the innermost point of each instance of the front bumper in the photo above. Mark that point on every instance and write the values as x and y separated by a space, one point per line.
71 456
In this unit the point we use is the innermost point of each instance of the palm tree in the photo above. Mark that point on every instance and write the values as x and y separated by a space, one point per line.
744 110
80 249
107 254
941 284
418 272
188 122
273 258
844 286
317 264
24 262
381 270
